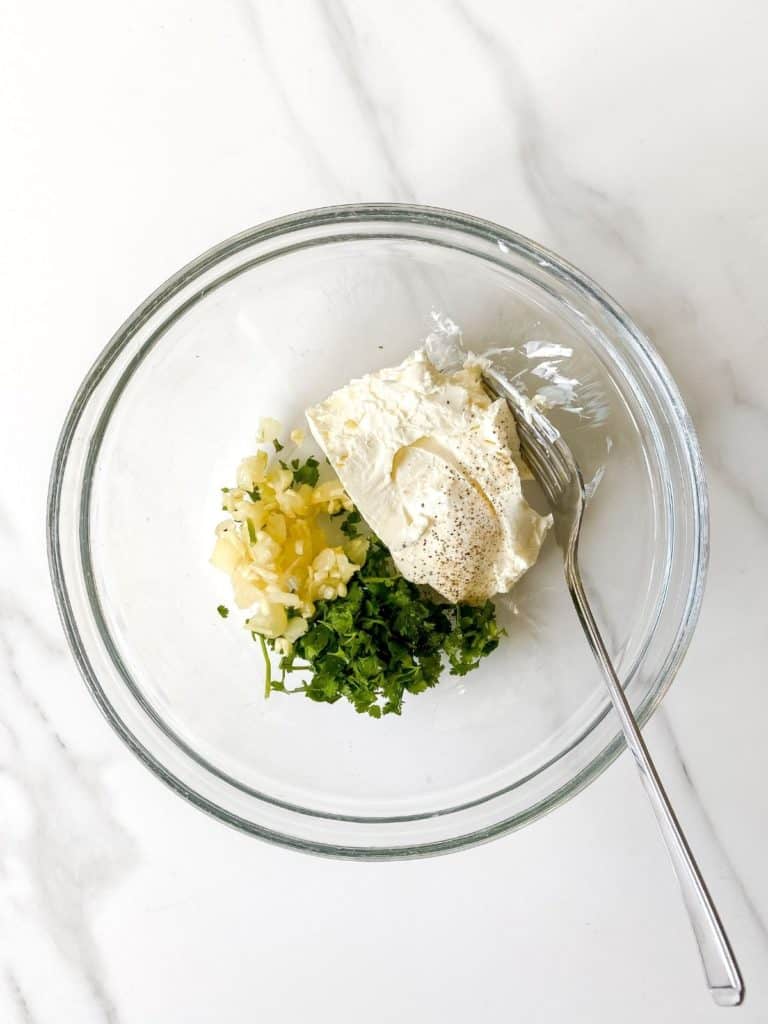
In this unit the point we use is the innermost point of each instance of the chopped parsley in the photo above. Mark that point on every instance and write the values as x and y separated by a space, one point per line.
267 664
222 610
308 473
351 523
278 447
386 639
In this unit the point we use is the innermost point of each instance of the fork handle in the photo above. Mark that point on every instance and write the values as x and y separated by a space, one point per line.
720 967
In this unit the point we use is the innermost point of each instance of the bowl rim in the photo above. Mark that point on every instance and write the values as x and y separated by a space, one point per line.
361 213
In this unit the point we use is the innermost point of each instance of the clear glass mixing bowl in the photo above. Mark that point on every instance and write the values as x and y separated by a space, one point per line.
266 324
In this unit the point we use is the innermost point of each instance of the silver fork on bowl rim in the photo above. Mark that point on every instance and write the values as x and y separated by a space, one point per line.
555 469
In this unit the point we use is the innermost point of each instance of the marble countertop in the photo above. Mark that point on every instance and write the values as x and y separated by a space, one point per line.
629 138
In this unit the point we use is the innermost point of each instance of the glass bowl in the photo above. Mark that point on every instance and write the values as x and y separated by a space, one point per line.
267 323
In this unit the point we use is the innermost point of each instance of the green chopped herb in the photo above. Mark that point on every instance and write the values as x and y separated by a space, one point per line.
475 634
350 524
385 639
307 473
267 664
255 494
278 447
222 610
225 490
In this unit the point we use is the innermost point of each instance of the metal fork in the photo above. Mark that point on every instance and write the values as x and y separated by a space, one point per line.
559 476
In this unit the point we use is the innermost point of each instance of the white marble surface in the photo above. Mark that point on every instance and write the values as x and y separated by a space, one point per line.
631 138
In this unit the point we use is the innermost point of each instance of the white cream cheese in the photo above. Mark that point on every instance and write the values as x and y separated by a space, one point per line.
433 464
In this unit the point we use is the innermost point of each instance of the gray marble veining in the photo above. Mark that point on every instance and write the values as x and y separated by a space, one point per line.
350 56
61 846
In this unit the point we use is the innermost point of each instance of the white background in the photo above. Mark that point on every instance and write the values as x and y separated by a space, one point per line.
631 138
